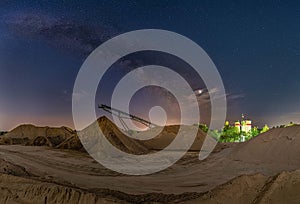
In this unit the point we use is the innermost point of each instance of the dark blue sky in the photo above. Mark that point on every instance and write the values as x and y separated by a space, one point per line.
255 45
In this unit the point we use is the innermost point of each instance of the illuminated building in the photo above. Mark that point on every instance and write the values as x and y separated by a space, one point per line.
237 124
244 126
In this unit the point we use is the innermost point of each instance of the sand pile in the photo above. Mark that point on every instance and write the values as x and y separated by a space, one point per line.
116 137
37 136
161 137
168 134
66 138
279 147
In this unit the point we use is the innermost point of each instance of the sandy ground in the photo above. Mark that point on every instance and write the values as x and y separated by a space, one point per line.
189 176
78 169
262 170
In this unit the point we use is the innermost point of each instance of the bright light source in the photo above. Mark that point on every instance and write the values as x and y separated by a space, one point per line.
200 91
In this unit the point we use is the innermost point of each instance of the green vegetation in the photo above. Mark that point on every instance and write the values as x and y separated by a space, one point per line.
265 129
203 127
232 133
290 124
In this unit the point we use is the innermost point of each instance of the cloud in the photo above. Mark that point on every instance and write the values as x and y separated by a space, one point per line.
233 97
60 32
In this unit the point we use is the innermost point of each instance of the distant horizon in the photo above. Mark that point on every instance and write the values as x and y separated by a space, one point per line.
55 125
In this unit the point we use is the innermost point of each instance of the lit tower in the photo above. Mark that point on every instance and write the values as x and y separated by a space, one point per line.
237 124
246 125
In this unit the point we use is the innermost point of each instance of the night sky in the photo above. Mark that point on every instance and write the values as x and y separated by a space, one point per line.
254 45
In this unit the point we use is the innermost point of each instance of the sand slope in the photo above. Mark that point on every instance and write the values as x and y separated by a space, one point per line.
164 137
282 188
159 138
89 136
279 147
20 190
7 167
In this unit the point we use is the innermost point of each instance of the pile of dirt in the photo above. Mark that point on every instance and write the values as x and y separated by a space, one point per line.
66 138
279 147
162 138
113 134
37 136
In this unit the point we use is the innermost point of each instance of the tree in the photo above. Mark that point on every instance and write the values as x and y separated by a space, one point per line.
291 124
203 127
265 129
230 134
254 132
215 134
